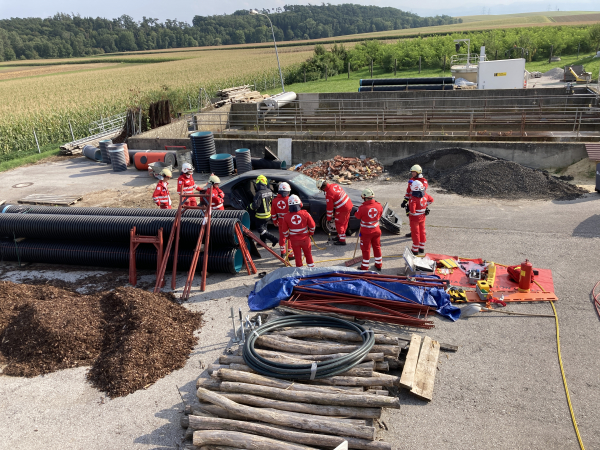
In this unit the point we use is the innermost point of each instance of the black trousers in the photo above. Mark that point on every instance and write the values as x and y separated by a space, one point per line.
261 227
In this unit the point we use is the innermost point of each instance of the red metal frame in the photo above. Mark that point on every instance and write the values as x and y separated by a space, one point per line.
248 262
134 241
251 235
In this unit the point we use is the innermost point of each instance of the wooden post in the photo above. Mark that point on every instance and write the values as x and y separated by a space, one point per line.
305 74
325 73
551 51
496 57
36 141
419 64
444 65
578 46
348 70
371 68
71 129
395 65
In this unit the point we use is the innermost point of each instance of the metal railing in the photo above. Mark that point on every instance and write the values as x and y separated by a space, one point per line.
461 60
107 124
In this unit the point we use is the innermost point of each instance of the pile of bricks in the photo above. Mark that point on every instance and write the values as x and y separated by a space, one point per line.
343 170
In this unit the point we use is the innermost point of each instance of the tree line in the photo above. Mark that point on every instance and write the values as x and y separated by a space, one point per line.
533 44
65 36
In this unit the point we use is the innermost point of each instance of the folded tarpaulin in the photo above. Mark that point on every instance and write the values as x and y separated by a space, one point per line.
268 295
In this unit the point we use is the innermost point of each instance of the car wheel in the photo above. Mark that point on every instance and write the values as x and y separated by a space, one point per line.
328 227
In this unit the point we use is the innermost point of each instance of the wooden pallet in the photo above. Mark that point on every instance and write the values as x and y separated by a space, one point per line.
420 367
50 199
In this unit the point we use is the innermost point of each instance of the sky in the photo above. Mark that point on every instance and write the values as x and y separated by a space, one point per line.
185 10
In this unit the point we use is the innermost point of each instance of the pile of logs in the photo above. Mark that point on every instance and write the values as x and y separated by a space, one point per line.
238 94
238 405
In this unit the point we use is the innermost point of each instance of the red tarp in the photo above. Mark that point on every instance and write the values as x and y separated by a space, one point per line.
502 283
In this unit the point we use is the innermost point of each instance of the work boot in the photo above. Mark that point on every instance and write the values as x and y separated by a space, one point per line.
339 243
274 241
408 235
335 239
378 269
421 251
349 232
291 257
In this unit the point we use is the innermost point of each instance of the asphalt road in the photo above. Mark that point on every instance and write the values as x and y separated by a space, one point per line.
502 389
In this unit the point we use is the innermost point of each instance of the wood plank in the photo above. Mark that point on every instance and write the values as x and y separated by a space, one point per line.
410 366
426 369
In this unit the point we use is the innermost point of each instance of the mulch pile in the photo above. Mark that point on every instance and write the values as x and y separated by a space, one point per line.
474 174
343 170
130 337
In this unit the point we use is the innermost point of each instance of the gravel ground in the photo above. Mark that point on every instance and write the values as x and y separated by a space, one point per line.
502 389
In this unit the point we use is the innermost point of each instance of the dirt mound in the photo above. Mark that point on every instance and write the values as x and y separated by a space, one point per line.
130 337
44 329
470 173
146 338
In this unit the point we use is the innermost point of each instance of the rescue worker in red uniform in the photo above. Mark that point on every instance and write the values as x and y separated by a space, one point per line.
279 208
337 200
417 210
298 226
161 194
186 184
416 174
217 194
369 214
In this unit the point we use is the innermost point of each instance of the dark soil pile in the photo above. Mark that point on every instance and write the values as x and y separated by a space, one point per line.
474 174
44 329
145 338
130 337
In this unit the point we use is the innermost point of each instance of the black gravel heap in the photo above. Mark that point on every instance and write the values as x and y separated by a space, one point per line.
474 174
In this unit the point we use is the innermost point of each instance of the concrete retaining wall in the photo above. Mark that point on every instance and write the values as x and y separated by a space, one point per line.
541 155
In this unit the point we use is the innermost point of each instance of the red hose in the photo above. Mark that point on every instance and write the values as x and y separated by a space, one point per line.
596 298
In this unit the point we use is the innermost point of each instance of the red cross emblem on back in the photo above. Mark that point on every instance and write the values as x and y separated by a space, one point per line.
372 213
281 204
296 220
336 188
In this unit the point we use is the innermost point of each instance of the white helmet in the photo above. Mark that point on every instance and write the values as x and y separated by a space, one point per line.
416 168
213 179
417 186
368 193
187 168
284 187
294 200
164 173
320 183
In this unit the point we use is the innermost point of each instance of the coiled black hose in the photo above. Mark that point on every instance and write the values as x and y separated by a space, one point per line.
111 229
241 215
322 369
227 260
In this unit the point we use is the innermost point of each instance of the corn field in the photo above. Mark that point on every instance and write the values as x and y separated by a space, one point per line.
48 104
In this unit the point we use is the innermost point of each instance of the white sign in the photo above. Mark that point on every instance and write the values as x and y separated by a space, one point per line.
284 150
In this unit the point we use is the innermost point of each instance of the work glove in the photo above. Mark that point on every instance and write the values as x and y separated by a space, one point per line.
404 203
427 211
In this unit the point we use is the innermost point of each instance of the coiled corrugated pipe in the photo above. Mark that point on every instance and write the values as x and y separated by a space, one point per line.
227 260
241 215
111 229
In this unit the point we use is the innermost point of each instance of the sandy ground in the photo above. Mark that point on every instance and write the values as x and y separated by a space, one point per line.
502 389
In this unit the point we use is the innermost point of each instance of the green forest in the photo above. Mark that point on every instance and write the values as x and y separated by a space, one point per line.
65 36
533 44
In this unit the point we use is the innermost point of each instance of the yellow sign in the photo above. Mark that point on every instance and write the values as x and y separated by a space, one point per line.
500 74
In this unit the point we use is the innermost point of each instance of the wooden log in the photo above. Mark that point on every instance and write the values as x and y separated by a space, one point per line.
373 356
376 388
331 333
290 345
251 378
189 434
426 369
344 413
382 366
290 420
408 373
214 367
395 363
405 341
319 440
248 441
209 383
388 381
379 391
231 359
361 370
318 398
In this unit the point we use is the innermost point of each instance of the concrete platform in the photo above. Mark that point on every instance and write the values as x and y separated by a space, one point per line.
502 389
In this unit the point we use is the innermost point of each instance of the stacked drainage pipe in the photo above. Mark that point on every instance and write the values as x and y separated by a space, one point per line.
93 153
66 238
243 160
221 164
104 150
118 160
203 147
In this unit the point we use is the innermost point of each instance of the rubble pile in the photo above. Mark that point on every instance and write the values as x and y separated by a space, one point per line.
343 170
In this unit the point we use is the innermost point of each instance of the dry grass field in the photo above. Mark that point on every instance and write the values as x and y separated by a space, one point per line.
12 72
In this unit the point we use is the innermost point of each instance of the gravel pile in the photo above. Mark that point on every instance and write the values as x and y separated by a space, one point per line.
474 174
557 73
129 336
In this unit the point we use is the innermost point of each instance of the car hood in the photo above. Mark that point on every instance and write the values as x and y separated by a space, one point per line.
355 196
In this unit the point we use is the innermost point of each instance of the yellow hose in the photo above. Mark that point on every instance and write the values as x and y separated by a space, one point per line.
562 371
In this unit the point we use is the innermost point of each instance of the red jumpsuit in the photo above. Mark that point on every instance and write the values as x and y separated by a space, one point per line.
161 195
217 197
279 208
416 208
337 199
187 185
369 214
420 178
299 227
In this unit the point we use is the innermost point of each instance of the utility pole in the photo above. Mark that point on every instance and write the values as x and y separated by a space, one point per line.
551 51
395 65
348 70
419 64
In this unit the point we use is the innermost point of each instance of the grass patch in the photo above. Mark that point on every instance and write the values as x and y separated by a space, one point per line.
47 151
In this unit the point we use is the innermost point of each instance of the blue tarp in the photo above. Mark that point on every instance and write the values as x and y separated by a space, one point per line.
269 295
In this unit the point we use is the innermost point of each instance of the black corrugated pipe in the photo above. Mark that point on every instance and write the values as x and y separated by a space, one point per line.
228 260
262 163
241 215
405 81
111 229
424 87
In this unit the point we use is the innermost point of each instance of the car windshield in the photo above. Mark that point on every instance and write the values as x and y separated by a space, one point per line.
307 184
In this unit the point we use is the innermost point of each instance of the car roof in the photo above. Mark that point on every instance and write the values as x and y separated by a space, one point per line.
272 173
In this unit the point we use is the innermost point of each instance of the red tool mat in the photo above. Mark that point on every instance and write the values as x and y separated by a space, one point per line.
502 283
